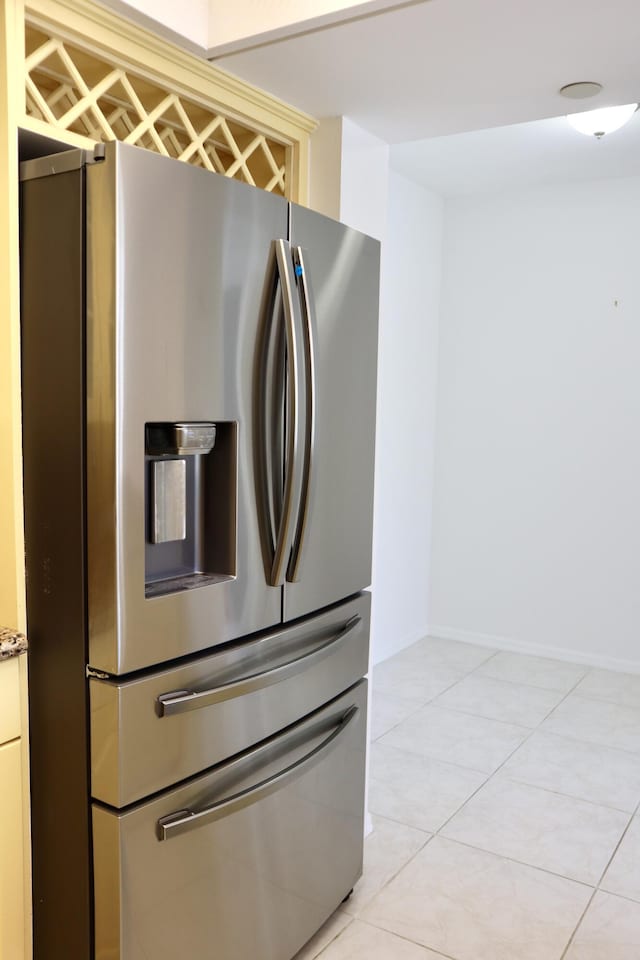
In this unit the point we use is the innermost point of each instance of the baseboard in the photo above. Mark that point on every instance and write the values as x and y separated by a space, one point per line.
535 649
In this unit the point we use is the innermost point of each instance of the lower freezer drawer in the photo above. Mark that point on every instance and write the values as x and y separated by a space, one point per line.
245 862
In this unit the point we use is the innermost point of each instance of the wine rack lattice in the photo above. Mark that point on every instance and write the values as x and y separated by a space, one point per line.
76 90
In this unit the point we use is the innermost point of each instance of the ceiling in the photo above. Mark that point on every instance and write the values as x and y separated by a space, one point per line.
503 158
441 67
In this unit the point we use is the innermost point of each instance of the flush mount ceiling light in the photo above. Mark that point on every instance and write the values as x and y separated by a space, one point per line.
596 123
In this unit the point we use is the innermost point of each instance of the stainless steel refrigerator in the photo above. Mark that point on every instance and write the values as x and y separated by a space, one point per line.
199 379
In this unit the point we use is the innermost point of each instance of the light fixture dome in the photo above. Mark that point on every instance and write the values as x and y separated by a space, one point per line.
596 123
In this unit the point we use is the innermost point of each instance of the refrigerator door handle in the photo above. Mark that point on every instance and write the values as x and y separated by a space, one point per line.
309 313
183 701
283 540
184 820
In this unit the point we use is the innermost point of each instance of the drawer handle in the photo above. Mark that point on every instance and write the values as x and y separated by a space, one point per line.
181 701
184 820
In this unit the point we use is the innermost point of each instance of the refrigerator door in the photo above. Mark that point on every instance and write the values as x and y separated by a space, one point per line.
180 286
244 862
338 277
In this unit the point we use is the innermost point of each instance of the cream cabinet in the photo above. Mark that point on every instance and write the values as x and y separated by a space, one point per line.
13 945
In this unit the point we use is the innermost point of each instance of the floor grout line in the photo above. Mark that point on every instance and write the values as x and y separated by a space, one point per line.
401 936
590 743
618 896
483 716
426 703
577 926
520 863
429 836
425 756
332 940
598 887
569 796
618 845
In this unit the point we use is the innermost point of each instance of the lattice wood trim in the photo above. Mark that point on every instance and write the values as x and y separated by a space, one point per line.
76 83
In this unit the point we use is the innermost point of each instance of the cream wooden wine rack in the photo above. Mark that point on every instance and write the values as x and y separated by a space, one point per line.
92 76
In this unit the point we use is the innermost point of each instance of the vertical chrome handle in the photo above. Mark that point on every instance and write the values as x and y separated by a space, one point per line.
283 540
293 569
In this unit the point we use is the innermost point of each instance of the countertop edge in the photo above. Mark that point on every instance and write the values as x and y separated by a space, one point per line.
12 643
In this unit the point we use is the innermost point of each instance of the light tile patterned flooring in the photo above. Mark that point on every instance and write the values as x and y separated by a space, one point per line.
504 792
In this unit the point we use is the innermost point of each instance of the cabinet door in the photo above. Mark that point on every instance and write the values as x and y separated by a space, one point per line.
9 699
11 854
340 267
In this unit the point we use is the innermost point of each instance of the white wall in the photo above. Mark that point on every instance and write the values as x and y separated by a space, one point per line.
537 494
364 180
405 439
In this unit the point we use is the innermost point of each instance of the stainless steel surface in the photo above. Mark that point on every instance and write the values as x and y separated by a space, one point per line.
254 884
182 701
291 315
169 497
143 367
56 163
343 268
181 822
134 752
182 439
309 335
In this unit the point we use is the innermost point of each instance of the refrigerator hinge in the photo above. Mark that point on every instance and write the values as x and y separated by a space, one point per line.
97 674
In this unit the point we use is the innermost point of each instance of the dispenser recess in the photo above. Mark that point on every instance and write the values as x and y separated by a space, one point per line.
190 497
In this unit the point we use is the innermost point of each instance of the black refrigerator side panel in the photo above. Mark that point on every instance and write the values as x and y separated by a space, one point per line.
52 266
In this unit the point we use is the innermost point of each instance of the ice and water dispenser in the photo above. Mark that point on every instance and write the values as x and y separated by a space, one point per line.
190 497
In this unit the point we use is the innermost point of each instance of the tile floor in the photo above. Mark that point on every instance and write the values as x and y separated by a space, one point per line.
504 791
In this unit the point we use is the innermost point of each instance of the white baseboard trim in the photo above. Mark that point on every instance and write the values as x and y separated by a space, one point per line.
535 649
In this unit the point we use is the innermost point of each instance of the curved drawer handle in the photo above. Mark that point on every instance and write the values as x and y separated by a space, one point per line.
184 820
181 701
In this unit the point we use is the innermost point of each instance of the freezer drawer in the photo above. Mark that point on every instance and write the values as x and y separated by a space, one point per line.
152 732
244 862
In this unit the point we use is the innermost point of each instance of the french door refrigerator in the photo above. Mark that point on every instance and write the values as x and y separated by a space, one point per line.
199 376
